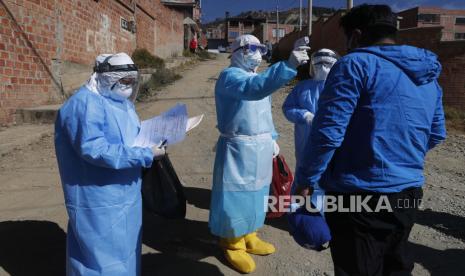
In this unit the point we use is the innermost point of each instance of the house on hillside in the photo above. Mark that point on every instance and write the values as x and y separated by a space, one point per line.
237 26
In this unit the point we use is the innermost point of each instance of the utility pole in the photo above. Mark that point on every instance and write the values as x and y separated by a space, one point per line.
350 4
300 16
277 21
310 17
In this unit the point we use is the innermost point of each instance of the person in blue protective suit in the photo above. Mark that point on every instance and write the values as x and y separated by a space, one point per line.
379 114
101 172
243 164
300 105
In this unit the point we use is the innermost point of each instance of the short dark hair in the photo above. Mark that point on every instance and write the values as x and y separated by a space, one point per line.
374 21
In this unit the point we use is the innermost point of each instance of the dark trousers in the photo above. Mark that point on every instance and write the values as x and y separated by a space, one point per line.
374 243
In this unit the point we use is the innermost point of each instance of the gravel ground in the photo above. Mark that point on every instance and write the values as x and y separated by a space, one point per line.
33 218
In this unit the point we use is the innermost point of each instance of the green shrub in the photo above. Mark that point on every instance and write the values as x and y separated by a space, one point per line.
187 53
205 55
158 80
144 59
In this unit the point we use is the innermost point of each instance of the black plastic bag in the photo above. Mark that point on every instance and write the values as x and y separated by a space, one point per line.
162 192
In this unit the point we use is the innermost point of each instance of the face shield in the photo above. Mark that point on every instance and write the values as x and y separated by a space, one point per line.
321 63
116 76
247 53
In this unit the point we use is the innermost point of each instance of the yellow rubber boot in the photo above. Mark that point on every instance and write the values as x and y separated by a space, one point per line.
235 253
256 246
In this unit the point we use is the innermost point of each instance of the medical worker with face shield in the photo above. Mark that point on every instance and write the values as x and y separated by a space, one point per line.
101 172
243 164
301 105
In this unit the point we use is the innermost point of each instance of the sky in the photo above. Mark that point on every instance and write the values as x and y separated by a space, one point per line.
212 9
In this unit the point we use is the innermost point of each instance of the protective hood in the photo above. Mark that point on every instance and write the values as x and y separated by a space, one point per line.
248 62
420 65
106 83
321 63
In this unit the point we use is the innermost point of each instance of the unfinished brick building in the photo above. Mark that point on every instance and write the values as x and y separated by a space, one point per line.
452 21
47 47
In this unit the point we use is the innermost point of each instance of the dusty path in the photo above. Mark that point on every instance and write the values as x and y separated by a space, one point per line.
33 218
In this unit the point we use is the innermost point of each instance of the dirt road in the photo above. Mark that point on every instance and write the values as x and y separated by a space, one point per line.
33 217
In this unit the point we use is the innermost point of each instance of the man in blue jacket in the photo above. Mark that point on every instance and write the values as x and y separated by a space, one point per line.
378 115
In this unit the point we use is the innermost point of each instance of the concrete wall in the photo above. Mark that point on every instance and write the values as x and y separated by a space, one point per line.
47 47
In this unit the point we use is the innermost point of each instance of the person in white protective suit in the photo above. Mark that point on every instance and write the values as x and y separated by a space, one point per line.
301 105
101 171
243 164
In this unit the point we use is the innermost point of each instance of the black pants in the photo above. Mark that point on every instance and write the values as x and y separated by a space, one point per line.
374 243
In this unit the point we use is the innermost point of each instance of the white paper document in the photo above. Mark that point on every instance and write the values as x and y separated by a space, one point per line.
170 126
193 122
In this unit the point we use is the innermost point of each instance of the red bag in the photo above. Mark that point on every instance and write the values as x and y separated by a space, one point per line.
281 185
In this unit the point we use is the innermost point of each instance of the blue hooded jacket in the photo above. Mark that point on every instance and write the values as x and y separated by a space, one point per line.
379 113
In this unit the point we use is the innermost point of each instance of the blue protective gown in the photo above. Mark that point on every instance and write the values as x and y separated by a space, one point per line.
378 115
243 164
302 99
101 177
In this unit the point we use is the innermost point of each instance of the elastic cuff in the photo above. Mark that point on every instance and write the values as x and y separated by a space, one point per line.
290 66
148 157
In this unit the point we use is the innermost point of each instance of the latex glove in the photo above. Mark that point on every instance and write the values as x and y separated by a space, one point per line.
308 116
158 152
299 55
276 149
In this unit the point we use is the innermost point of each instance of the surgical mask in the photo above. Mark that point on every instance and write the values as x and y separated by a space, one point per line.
253 60
320 71
124 87
122 90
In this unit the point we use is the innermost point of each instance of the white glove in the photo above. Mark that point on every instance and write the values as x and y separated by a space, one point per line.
308 116
158 152
299 55
276 149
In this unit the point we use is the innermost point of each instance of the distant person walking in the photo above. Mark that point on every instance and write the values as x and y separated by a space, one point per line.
193 44
378 115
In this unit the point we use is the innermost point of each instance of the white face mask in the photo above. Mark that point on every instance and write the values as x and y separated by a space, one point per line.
320 71
253 60
122 90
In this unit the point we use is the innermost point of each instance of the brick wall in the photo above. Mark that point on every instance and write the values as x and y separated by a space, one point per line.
426 37
47 47
409 18
329 35
452 79
169 30
451 55
26 53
